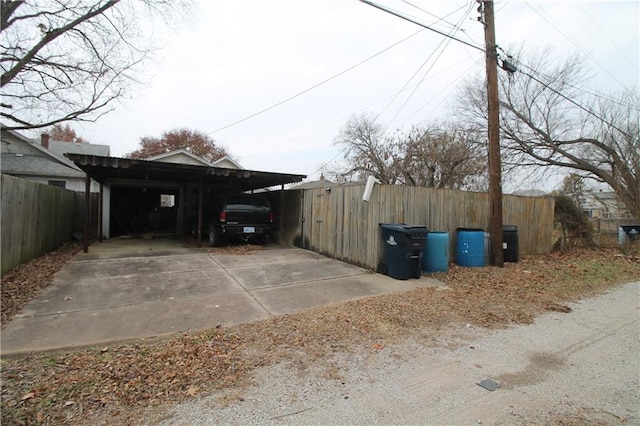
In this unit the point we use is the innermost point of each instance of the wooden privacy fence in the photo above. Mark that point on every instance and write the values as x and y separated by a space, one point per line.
336 222
36 218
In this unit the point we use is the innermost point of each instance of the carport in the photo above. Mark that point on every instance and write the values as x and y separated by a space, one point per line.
138 186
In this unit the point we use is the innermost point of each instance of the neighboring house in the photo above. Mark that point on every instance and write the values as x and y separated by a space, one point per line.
530 193
320 183
182 156
603 204
44 161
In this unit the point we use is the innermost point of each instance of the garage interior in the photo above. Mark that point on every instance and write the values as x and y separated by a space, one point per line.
141 196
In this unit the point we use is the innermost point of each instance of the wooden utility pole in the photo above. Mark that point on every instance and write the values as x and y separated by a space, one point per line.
495 165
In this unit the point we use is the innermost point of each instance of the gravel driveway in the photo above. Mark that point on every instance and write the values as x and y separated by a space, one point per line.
566 368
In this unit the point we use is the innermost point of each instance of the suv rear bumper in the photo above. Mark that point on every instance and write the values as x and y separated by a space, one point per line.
246 230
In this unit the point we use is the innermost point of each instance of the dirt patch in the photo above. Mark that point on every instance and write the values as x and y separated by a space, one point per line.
118 383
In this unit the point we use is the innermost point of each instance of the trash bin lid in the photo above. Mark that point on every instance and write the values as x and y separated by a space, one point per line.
510 228
398 227
411 231
470 229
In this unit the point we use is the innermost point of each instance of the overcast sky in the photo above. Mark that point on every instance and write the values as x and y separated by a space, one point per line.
236 58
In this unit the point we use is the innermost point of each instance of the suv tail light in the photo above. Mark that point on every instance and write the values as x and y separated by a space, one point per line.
223 216
271 217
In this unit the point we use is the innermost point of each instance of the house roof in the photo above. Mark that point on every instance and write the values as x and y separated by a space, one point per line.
60 147
195 158
103 168
176 152
33 165
229 159
46 162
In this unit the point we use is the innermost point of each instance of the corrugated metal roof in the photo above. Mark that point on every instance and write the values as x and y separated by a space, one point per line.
102 168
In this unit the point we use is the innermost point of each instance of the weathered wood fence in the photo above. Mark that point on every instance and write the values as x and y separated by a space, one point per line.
37 218
336 222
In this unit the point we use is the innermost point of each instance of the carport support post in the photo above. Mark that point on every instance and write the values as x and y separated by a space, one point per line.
200 197
100 213
87 214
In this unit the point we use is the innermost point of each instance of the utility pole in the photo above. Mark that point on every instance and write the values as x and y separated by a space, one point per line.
495 165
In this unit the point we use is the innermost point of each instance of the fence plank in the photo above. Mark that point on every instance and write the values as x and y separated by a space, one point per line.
36 218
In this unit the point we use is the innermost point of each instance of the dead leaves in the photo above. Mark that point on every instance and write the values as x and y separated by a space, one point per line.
119 380
24 282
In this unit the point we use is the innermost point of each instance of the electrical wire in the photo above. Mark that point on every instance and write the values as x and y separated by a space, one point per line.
344 117
315 86
445 95
401 16
435 16
454 27
624 55
409 81
572 41
587 90
445 42
587 110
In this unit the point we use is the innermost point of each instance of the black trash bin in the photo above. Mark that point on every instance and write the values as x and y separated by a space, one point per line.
403 250
628 233
510 243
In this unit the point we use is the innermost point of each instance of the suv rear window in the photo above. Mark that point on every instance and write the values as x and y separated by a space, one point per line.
240 201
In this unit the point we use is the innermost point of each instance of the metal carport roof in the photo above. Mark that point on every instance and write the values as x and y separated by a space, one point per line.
102 168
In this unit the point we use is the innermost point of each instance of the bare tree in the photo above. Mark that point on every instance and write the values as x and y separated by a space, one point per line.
70 60
193 141
549 120
440 155
367 150
443 155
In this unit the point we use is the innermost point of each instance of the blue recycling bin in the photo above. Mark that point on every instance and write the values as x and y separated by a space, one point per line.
470 247
436 252
403 250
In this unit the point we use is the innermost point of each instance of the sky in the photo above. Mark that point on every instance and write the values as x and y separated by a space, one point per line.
230 60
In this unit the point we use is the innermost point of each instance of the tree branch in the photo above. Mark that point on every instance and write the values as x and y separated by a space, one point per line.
51 35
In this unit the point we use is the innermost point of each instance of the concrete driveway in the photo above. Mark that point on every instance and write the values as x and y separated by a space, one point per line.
126 289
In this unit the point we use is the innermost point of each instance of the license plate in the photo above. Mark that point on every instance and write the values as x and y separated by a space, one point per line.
249 229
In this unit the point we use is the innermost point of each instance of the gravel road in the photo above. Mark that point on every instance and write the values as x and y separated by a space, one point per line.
566 368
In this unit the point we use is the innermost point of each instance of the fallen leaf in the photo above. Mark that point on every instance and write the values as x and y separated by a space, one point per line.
68 403
28 396
192 390
378 346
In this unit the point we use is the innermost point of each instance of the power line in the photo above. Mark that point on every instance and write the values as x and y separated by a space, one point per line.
587 110
572 41
328 123
435 16
445 42
584 89
290 98
452 83
409 81
401 16
624 55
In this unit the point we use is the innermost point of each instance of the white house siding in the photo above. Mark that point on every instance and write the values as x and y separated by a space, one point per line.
180 158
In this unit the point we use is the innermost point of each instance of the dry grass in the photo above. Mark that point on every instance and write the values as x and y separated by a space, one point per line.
117 383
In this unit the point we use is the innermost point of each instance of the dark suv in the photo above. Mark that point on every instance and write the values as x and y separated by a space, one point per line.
245 216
